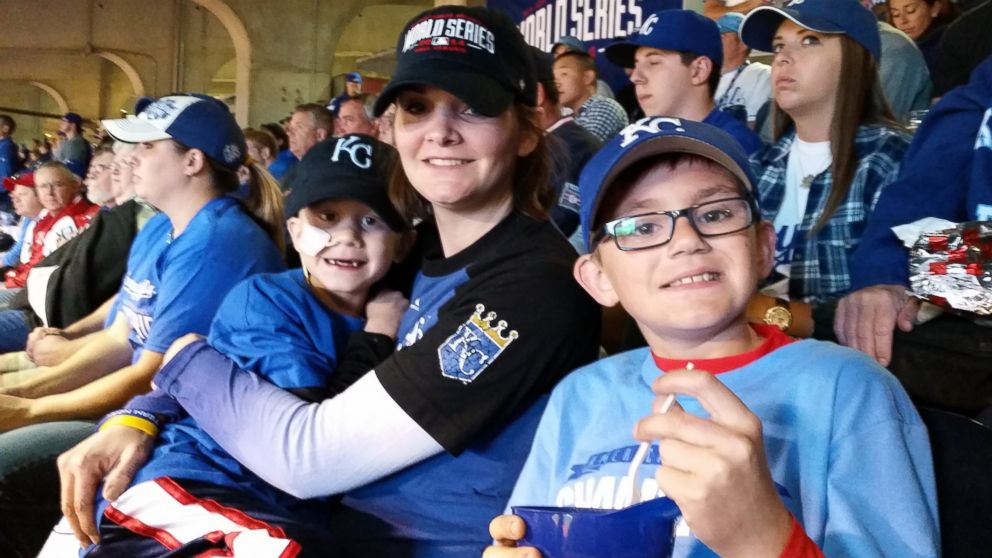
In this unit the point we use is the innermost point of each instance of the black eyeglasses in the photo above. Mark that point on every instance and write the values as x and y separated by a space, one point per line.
714 218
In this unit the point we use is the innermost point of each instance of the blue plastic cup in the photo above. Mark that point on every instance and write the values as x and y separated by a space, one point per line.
645 530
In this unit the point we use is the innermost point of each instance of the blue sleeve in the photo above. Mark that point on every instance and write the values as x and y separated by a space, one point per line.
12 257
933 182
193 284
274 333
9 162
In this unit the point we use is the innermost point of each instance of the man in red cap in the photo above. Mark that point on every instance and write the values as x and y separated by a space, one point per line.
21 190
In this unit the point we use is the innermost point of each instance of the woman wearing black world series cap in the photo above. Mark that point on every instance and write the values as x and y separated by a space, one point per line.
425 448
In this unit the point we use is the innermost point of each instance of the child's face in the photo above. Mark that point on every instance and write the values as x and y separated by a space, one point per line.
359 253
691 288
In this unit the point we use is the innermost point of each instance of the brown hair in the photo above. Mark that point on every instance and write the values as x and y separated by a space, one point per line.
264 138
264 201
62 168
532 191
860 100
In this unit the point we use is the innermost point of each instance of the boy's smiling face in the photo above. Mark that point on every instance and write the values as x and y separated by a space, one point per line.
358 254
692 289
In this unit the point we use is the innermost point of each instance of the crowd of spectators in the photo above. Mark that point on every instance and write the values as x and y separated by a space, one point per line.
447 242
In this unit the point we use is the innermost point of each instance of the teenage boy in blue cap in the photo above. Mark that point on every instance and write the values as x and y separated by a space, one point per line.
676 59
757 413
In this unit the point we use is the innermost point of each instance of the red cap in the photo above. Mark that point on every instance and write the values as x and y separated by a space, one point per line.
24 179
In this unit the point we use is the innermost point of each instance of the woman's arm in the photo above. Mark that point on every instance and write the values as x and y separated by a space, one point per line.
104 352
307 450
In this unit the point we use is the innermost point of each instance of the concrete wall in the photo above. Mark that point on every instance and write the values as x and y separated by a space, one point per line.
160 46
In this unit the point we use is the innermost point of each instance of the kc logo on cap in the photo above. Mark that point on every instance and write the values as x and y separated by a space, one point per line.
359 151
649 125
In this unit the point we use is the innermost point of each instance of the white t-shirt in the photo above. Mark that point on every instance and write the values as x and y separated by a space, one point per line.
806 161
749 85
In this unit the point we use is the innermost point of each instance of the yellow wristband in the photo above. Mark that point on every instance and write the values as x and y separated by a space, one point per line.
144 425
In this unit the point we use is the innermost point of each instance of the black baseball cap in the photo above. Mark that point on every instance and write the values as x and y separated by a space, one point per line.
355 167
475 54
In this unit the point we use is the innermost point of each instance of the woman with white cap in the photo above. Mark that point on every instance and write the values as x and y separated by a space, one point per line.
425 448
837 144
180 266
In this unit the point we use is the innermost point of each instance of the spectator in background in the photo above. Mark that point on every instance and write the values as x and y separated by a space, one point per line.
571 145
99 177
261 146
903 73
837 142
924 21
284 157
569 43
353 82
744 86
354 116
384 125
9 161
26 204
66 213
309 125
947 173
575 78
74 148
676 59
967 42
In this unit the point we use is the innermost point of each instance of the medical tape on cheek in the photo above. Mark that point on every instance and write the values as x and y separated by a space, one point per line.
312 240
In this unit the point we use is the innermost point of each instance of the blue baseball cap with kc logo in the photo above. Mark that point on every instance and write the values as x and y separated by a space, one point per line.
675 30
834 17
650 137
196 121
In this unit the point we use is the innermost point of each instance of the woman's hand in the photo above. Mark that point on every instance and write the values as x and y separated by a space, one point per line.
111 456
384 311
715 469
506 531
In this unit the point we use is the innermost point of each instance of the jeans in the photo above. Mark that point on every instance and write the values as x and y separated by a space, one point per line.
29 483
13 330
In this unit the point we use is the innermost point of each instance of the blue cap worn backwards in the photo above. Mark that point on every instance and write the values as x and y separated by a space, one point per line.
649 137
676 30
196 121
846 17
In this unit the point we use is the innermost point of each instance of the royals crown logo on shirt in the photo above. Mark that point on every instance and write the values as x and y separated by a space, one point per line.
474 346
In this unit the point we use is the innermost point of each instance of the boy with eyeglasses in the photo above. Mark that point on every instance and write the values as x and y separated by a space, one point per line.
775 447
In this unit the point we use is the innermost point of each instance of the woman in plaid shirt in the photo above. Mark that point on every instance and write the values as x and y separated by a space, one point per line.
837 143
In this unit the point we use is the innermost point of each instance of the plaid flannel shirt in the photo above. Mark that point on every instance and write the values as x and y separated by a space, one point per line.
822 262
602 116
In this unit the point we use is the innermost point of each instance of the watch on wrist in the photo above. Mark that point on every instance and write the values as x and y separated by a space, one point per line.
779 315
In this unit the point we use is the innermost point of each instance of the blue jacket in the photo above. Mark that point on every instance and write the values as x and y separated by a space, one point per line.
947 173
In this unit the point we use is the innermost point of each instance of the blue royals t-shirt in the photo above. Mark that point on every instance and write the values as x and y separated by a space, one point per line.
173 286
273 325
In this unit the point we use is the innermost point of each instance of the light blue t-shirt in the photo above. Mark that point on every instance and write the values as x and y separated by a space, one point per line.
841 436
